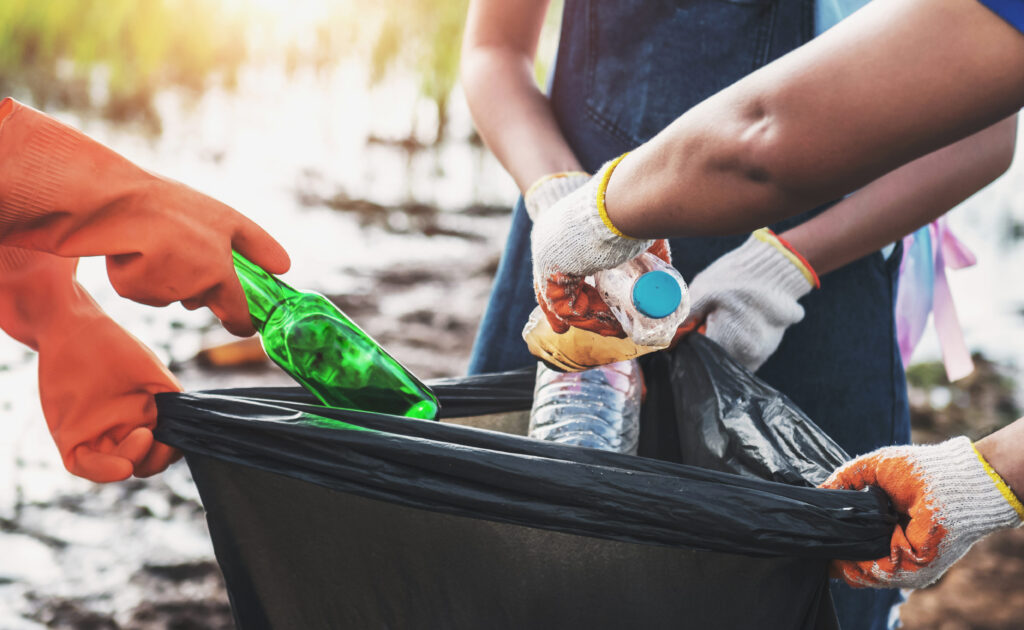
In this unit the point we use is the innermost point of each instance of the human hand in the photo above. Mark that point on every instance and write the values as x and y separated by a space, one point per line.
64 193
96 381
948 498
571 239
749 296
96 384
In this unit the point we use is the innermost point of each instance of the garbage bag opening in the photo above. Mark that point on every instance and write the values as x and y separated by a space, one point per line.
406 523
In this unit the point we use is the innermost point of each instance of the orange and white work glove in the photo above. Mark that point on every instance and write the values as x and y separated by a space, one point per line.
572 239
96 381
64 193
949 498
749 296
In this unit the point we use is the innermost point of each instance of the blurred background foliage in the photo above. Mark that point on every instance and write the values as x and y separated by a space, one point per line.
425 38
112 57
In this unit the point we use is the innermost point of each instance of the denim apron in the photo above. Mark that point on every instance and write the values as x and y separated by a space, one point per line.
626 69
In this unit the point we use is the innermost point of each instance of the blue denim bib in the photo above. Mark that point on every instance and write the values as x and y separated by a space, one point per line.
625 70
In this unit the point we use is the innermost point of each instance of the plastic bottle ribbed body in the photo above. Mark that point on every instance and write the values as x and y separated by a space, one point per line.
645 283
597 408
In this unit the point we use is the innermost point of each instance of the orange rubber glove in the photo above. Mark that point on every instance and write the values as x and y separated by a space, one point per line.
96 381
64 193
948 497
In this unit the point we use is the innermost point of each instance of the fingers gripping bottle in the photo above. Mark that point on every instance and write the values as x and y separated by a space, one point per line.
598 408
326 352
647 296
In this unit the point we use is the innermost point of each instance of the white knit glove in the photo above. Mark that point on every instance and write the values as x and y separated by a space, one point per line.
748 297
551 188
572 239
576 238
950 497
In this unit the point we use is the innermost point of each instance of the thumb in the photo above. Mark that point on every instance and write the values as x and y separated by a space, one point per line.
97 466
229 304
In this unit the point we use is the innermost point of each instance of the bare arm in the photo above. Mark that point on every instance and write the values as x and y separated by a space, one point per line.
895 81
510 112
900 202
1004 449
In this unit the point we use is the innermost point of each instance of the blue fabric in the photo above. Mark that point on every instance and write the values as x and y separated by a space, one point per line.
499 343
625 70
1010 10
828 13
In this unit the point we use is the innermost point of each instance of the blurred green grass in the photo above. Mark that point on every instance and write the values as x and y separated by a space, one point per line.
113 55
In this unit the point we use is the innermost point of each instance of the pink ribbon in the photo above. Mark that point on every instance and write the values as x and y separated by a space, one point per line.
924 288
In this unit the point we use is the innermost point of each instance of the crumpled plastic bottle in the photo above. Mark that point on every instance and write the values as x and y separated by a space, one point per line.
647 296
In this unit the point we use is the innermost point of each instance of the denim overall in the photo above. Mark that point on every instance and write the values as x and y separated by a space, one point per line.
626 69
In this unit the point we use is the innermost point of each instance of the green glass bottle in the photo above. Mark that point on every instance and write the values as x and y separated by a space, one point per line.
322 349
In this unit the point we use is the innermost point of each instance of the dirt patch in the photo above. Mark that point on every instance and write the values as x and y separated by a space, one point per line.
984 591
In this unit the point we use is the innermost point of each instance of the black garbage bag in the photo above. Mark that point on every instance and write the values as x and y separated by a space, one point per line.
323 518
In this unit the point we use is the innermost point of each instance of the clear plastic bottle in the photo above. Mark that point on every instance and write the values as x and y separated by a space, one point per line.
596 408
647 296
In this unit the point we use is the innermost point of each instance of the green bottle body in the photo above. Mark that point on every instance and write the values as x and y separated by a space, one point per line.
327 353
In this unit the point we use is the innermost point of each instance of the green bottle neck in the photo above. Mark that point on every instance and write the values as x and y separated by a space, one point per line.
263 291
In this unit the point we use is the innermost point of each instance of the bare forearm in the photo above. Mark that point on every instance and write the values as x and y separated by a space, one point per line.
1004 450
514 118
512 115
902 201
895 81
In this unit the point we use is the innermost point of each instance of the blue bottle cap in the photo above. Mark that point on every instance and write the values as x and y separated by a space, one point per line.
657 294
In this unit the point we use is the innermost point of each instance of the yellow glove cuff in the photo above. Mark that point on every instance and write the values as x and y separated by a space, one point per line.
602 187
1001 485
767 236
547 178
